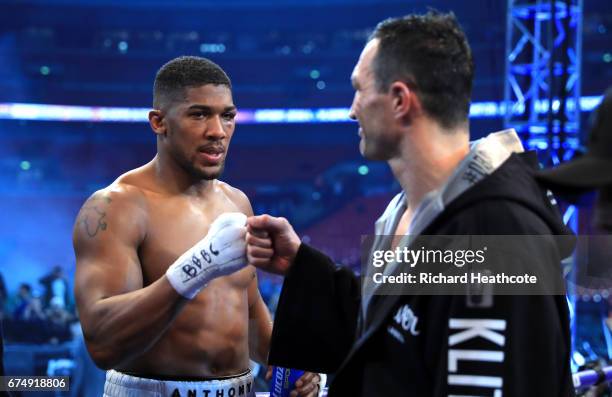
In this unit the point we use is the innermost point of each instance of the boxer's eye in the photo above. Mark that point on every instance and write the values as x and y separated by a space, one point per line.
198 115
229 116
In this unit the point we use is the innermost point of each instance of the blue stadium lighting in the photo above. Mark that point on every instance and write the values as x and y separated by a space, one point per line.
486 109
363 170
588 103
578 358
29 111
571 210
212 47
537 129
300 116
331 115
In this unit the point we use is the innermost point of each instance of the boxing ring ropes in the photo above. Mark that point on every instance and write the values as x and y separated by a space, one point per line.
592 377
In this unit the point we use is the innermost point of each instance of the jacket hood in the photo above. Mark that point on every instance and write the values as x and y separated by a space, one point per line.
515 181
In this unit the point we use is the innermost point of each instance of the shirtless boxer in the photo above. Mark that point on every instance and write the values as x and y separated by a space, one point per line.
166 299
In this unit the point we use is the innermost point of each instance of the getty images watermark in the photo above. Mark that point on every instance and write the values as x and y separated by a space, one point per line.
459 265
455 257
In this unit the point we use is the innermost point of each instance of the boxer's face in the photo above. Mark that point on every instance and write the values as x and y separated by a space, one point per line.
199 129
372 110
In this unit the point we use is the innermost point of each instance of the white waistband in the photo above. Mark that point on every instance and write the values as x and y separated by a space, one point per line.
122 385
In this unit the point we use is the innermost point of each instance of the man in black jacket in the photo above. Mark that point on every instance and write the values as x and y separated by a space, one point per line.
412 93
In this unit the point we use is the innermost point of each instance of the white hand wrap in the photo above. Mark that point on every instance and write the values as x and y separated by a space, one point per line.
322 384
221 252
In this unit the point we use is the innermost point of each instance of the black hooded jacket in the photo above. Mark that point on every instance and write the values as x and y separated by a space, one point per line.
518 346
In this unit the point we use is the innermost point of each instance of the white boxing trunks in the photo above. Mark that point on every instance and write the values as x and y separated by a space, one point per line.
122 385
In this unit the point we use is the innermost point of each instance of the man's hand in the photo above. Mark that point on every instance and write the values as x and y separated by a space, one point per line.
272 244
308 385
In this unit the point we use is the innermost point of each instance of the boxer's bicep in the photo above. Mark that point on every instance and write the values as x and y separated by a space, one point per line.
106 237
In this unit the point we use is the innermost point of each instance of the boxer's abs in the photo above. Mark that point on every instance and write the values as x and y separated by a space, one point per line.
209 338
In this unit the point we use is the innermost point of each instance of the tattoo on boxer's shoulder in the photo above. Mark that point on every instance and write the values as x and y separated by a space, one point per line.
93 215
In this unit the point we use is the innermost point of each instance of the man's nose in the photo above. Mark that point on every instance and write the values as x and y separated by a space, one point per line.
352 114
214 128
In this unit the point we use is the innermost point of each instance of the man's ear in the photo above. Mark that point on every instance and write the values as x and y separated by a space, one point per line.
405 100
157 122
402 98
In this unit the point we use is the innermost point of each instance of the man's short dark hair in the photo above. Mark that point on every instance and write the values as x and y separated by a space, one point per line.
184 72
430 53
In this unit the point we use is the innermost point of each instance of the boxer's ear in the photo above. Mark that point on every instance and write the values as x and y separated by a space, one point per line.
157 122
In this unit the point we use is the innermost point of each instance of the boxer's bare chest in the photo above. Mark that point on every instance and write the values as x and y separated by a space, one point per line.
174 225
210 332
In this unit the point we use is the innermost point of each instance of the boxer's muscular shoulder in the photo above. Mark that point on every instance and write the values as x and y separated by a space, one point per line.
237 197
119 209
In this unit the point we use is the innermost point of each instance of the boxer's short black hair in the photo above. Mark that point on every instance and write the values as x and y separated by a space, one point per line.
430 53
184 72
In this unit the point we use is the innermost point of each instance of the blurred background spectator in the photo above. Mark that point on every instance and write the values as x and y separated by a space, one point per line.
56 287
